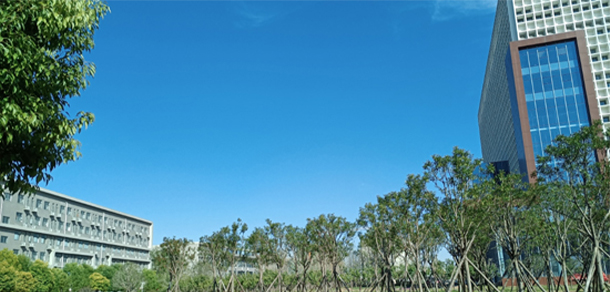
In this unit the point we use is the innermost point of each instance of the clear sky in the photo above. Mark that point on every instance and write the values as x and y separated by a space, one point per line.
209 111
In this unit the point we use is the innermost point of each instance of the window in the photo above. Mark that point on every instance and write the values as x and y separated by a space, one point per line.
7 197
5 219
82 214
603 102
19 217
20 199
595 59
45 222
16 236
42 256
606 119
69 211
605 57
3 239
61 209
38 203
88 216
16 251
68 226
35 238
43 239
46 205
598 77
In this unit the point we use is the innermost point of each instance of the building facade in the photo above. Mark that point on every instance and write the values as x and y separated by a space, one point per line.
548 73
59 229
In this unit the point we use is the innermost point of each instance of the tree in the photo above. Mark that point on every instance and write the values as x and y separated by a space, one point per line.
25 282
128 278
460 210
43 275
60 278
259 246
300 244
212 250
174 256
380 225
578 170
98 282
41 66
8 274
334 236
78 275
152 281
276 234
514 222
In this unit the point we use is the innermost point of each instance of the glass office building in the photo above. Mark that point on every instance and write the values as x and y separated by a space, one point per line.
548 73
553 88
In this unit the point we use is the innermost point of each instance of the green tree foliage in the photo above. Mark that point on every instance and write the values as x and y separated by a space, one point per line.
8 274
10 258
460 212
300 244
259 245
98 282
108 271
42 65
381 236
577 169
152 281
25 282
333 235
60 280
128 278
41 272
78 275
174 256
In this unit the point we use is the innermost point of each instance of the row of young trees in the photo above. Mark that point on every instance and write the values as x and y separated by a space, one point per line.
19 274
554 226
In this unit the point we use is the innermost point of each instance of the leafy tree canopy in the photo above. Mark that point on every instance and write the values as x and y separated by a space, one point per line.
41 66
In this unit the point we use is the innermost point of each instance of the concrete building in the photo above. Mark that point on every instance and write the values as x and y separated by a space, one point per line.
59 229
548 73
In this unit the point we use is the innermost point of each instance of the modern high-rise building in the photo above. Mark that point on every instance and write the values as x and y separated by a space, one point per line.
548 73
59 229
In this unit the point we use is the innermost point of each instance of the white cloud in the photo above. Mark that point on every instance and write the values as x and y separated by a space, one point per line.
449 9
256 14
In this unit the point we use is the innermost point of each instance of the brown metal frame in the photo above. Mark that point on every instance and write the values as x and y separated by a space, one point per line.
587 78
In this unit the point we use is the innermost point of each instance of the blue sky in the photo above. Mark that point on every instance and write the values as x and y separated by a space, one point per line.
209 111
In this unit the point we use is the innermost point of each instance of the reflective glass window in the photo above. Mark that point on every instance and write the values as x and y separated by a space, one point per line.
555 99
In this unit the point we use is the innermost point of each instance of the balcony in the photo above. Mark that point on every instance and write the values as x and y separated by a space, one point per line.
52 215
50 247
26 208
23 244
35 210
73 219
31 245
